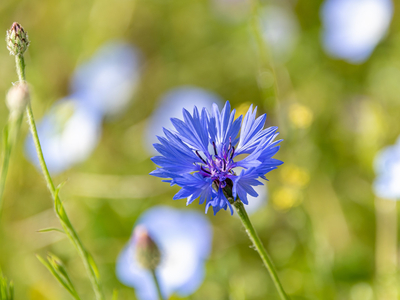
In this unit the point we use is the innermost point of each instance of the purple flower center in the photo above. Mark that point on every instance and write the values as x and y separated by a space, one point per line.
219 166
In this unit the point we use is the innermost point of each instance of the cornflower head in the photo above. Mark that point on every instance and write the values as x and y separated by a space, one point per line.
207 150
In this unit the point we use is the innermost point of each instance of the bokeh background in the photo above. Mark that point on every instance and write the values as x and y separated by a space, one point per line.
335 109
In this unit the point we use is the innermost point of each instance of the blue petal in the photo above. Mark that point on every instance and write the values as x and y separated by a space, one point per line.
223 126
252 132
193 187
193 130
243 184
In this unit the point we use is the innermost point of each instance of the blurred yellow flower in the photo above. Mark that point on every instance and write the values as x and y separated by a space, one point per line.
294 175
285 198
300 115
242 109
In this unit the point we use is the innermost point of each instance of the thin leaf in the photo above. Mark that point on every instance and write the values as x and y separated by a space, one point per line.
51 229
54 272
57 269
93 265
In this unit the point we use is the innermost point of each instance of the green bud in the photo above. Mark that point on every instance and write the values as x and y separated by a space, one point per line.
17 39
146 250
18 98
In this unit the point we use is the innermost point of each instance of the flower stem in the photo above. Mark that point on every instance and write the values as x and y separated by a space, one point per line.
270 92
157 284
251 232
87 259
386 249
20 65
10 133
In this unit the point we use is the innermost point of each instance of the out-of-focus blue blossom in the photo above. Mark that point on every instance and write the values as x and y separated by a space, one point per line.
280 29
184 239
171 106
108 80
68 133
387 168
101 87
353 28
200 155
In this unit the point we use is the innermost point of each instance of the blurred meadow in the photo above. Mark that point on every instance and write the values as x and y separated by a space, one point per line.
335 110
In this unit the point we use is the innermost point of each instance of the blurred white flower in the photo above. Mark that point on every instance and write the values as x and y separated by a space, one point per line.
109 79
353 28
280 29
68 133
171 106
184 238
387 168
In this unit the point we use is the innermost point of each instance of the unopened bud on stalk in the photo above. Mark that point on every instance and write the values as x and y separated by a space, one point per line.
18 98
17 39
146 250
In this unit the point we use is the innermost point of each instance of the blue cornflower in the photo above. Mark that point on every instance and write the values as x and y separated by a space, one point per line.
202 155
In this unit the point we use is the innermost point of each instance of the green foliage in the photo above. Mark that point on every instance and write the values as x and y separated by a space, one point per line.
6 288
55 266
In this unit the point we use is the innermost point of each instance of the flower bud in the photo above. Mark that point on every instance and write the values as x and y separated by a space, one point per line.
146 251
18 98
17 39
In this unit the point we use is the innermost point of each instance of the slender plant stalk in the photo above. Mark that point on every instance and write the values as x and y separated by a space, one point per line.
157 284
10 134
10 137
386 249
87 259
270 93
251 232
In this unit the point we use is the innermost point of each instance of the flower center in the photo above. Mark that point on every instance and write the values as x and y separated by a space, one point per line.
219 166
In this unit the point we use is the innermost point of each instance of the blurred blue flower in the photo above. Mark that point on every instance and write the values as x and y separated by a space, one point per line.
108 80
171 106
353 28
280 30
68 133
205 148
387 168
184 239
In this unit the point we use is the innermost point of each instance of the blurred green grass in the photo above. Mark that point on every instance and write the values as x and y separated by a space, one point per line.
319 225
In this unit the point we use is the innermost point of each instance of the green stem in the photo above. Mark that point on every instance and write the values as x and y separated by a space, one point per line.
4 166
87 259
73 236
386 249
157 284
269 92
20 64
11 132
251 232
10 138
